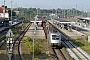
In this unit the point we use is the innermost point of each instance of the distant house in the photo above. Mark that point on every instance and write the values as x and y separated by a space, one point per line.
4 17
2 10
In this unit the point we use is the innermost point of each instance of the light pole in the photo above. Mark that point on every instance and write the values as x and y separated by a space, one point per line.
47 28
33 37
33 44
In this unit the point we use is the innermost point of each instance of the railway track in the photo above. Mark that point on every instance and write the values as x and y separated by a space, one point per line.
78 54
66 41
17 42
58 54
3 32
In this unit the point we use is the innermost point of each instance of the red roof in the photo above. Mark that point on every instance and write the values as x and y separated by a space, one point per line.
1 8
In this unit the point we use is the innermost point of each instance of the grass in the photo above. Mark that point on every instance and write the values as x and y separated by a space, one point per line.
26 51
3 36
84 44
3 54
3 47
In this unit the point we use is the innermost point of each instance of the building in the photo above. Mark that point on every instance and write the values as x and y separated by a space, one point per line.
4 17
2 10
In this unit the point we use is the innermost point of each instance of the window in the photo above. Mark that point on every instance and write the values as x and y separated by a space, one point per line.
55 37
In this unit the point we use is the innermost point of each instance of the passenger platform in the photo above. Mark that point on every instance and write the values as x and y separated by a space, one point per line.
37 34
73 34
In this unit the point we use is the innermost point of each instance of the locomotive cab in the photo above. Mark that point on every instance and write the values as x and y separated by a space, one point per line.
55 39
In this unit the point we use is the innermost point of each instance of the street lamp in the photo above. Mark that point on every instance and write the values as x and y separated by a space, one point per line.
33 45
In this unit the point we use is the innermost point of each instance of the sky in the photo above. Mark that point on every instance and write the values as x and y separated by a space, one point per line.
49 4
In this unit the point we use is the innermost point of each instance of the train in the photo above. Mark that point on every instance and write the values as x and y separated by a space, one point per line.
54 38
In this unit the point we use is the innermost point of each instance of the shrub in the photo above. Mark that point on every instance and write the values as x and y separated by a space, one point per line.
29 39
36 59
36 48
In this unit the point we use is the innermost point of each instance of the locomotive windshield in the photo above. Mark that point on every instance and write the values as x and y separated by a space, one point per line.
55 37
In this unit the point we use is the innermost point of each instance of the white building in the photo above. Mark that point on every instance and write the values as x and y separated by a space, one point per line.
2 10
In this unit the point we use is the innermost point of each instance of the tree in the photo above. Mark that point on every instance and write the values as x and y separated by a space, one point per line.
3 6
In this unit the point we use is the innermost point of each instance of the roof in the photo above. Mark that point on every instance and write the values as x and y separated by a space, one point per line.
1 8
87 18
64 21
36 21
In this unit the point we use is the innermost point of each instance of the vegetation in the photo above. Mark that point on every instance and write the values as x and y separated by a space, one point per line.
40 46
29 13
36 48
36 59
84 44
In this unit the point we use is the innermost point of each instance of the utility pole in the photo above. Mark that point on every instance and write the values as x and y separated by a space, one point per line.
64 13
73 13
11 10
67 12
56 13
37 11
76 10
82 10
4 8
4 12
87 12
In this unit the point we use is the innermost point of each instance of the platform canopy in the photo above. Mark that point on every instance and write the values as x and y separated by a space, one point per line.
87 18
36 21
64 21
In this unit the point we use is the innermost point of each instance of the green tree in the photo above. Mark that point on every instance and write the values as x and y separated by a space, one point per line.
36 59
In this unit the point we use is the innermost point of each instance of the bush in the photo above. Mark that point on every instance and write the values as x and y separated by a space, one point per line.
29 39
36 48
89 43
36 59
71 58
